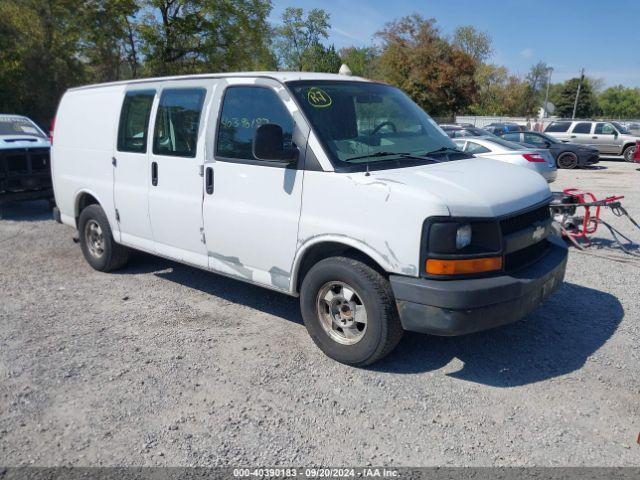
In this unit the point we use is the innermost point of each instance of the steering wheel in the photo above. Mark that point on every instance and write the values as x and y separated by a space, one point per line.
384 124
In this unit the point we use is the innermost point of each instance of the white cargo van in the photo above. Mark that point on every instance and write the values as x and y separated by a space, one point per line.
333 188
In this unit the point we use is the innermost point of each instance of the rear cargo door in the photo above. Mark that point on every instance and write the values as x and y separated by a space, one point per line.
131 169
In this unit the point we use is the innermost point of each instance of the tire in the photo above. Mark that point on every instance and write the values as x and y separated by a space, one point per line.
97 243
629 152
357 288
567 160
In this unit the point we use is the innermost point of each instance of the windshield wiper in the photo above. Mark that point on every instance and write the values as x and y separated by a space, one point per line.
408 155
443 150
378 154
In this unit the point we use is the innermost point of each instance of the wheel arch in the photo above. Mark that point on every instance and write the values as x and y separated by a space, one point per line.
83 199
330 246
627 145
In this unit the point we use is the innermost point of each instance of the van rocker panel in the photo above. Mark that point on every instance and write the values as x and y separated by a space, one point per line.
458 307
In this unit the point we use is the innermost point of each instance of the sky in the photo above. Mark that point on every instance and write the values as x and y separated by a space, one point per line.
601 36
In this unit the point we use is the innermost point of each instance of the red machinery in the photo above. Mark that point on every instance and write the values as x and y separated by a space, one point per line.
564 209
565 206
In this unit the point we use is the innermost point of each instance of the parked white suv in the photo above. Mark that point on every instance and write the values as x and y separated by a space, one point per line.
333 188
610 138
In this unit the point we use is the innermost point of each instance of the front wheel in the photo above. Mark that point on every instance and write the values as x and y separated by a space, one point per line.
97 243
349 311
629 152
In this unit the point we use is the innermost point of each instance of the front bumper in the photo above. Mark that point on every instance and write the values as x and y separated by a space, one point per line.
585 159
458 307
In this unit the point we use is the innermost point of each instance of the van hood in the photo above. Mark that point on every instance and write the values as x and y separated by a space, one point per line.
475 187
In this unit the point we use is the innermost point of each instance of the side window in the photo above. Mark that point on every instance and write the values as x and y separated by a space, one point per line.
473 147
532 139
604 129
177 122
583 127
513 136
244 109
558 127
134 121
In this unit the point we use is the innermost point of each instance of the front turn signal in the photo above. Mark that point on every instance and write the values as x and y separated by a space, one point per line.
463 267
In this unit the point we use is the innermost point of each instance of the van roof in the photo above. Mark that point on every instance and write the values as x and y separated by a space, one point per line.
279 76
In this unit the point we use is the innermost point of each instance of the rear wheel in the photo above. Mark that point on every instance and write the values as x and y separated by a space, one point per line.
568 160
349 311
629 152
97 243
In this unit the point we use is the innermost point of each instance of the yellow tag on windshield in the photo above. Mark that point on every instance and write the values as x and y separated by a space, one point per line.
318 98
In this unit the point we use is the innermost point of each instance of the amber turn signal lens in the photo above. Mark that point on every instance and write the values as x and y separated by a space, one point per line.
463 267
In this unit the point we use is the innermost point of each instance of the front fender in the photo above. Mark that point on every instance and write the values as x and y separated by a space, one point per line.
304 247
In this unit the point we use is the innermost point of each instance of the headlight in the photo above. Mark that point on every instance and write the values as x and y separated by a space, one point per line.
463 236
452 247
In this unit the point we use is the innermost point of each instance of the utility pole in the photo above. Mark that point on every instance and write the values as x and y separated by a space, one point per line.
575 104
546 95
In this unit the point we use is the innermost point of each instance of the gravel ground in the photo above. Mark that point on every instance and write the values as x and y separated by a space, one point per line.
163 364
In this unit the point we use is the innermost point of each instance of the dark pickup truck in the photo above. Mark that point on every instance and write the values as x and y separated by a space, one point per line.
25 168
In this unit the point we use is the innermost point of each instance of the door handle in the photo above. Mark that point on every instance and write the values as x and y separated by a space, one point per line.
573 136
209 180
594 137
154 173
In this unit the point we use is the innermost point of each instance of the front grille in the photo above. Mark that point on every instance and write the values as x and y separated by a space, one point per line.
17 163
24 169
521 258
526 256
40 160
524 220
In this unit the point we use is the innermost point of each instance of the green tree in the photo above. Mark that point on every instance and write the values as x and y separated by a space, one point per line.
564 96
498 92
39 57
620 102
297 34
361 61
189 36
238 36
416 58
536 83
473 42
109 39
318 58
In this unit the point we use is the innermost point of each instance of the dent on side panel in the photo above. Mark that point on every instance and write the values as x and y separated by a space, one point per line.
233 264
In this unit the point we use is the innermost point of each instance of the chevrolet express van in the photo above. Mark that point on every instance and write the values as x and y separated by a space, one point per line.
335 189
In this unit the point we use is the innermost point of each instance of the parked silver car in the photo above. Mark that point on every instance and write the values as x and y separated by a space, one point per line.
610 138
539 161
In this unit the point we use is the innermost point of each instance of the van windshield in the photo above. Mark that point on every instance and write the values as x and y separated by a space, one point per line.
370 123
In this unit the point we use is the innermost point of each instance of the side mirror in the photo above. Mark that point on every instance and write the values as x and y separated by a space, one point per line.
268 144
547 144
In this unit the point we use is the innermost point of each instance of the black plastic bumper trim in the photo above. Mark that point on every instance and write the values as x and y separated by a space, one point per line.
456 307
